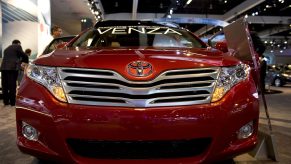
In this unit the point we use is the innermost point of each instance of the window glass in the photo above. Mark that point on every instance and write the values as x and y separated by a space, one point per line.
138 36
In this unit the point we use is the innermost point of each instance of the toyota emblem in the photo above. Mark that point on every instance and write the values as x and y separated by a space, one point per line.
139 68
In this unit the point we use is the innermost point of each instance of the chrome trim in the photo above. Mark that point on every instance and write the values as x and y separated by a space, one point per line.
112 84
32 110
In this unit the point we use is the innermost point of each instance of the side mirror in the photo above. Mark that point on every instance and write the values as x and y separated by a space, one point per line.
222 46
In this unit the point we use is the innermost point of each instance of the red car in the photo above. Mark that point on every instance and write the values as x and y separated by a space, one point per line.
137 92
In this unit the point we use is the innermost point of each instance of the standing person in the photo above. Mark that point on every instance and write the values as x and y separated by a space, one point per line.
10 65
24 62
56 32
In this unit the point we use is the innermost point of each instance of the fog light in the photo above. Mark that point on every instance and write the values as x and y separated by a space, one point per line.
245 131
29 132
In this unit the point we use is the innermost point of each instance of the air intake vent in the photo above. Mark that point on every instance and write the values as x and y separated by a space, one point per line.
139 149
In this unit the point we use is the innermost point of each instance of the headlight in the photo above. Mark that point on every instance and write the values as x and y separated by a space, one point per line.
285 74
228 77
48 77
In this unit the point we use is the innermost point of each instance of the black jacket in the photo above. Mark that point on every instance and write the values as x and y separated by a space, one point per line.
12 57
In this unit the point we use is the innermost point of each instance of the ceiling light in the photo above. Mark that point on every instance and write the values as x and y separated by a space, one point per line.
266 42
284 48
171 11
188 2
278 45
285 42
272 51
281 51
246 16
225 1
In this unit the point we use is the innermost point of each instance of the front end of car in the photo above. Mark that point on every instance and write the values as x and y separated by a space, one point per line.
61 116
137 105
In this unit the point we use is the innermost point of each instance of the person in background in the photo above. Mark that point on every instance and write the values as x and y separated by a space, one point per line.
56 32
11 63
24 63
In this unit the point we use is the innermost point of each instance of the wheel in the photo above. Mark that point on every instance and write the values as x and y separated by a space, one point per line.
278 82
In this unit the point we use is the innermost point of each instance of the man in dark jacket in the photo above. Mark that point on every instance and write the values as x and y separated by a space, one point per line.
11 63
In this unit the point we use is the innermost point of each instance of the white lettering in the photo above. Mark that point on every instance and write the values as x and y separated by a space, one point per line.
142 30
102 32
153 31
118 31
171 31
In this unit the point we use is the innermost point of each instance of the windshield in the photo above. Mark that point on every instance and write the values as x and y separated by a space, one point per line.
138 36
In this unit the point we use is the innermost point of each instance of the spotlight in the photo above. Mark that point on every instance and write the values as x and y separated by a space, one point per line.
171 11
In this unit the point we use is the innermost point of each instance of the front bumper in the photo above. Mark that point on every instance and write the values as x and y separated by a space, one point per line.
67 130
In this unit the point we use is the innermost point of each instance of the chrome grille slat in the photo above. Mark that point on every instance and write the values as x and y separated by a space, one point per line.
140 91
108 88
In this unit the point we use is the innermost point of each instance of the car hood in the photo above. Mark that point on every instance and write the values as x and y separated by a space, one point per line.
118 59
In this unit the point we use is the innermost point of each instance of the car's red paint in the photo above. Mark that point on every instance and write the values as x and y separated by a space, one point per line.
161 59
222 46
57 121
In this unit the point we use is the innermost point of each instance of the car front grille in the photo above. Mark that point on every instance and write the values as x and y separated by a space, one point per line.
109 88
139 149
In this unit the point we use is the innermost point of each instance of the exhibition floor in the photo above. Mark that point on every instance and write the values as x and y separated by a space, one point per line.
278 100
